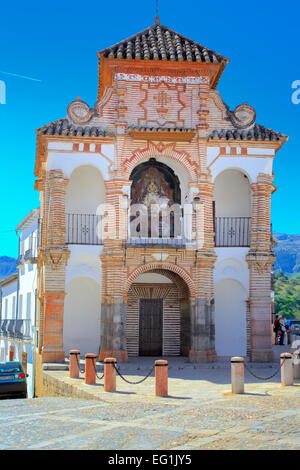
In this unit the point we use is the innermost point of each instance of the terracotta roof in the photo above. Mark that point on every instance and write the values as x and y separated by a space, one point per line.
161 43
63 127
257 132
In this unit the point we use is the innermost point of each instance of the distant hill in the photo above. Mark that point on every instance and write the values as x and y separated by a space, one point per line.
287 253
8 266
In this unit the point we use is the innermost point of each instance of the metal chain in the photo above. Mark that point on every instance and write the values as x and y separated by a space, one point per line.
78 363
99 378
264 378
133 383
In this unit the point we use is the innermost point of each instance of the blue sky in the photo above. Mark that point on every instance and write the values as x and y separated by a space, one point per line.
57 42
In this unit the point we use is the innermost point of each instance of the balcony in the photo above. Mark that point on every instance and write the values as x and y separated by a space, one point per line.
83 229
17 329
232 231
87 229
3 328
29 256
20 261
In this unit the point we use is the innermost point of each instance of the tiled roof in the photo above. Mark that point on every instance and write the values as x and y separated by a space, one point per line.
64 128
257 132
161 43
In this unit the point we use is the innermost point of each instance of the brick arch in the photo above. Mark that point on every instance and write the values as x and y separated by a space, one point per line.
176 274
167 151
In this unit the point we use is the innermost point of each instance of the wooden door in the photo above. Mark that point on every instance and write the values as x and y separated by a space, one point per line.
151 327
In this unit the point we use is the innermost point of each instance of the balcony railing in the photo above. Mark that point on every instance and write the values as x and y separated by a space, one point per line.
232 231
30 256
162 242
87 229
19 329
84 229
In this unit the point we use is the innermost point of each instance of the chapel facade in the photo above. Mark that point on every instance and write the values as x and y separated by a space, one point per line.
155 212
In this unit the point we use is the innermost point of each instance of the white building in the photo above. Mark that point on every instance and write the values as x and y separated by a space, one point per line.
19 298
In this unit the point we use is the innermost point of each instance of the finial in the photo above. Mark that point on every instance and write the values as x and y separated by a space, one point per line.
157 17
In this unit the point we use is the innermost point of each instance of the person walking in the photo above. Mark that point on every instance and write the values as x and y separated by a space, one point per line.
282 330
276 328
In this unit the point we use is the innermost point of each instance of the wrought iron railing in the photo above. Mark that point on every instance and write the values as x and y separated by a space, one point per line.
232 231
163 242
20 260
87 229
84 229
3 329
13 328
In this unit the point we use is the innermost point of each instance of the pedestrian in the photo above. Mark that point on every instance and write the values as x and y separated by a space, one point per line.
282 330
276 328
288 331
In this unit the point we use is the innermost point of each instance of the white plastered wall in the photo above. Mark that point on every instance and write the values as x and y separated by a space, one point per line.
82 309
69 161
231 280
251 165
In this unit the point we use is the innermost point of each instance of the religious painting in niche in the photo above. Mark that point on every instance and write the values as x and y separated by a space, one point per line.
156 188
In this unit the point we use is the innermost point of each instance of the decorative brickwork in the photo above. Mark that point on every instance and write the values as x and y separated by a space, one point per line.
156 100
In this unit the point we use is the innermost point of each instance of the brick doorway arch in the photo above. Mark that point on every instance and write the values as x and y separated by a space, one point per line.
158 315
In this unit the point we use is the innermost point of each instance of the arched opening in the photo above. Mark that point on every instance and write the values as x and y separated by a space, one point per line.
230 318
85 192
155 201
158 315
82 316
232 208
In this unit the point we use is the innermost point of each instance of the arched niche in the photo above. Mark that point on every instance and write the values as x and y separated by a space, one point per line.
85 190
232 194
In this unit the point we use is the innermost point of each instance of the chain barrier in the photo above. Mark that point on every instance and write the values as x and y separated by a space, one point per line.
264 378
78 364
128 381
99 378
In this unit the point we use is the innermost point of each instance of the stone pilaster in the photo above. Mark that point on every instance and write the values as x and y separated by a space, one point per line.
53 258
260 261
202 324
260 305
114 304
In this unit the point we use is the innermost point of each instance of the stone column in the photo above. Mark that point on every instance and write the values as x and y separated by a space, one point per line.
260 261
202 347
53 258
114 303
202 325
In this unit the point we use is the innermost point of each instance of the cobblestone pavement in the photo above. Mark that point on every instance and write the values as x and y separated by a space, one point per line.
200 413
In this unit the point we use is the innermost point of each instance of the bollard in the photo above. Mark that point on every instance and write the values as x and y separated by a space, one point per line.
161 378
296 364
24 361
11 352
109 374
90 366
237 375
287 373
74 363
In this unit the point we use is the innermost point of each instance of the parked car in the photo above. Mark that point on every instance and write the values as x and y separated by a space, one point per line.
12 380
295 327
